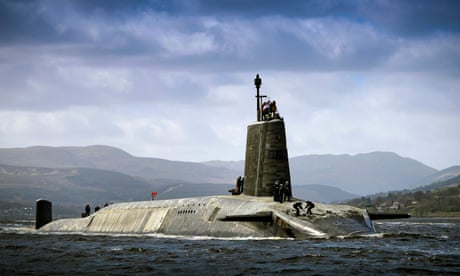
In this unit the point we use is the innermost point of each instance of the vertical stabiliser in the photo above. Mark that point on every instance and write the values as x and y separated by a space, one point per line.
266 158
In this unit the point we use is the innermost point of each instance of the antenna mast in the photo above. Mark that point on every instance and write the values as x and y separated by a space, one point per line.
258 83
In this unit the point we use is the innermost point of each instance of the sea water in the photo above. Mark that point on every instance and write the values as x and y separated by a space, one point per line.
402 247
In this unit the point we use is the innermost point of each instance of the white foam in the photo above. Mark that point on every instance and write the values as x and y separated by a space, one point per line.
160 236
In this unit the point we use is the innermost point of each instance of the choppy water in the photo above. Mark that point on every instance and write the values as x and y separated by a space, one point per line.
408 247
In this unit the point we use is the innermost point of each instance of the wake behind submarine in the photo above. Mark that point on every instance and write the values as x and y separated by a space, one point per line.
255 209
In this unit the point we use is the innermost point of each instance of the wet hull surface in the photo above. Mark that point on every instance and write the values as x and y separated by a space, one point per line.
220 216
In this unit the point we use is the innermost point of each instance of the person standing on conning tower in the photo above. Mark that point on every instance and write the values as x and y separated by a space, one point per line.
276 190
281 193
266 110
287 191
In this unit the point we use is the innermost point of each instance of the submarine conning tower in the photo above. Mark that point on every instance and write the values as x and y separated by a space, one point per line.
266 152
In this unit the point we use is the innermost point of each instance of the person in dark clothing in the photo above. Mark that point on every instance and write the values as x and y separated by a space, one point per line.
287 192
87 210
276 190
281 193
238 185
297 206
310 205
97 208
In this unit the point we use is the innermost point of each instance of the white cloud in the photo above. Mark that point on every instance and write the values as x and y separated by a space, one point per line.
180 86
400 112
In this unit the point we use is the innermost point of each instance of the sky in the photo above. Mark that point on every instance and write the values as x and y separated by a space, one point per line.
174 79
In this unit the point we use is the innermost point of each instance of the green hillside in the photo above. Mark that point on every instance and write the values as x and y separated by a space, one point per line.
443 199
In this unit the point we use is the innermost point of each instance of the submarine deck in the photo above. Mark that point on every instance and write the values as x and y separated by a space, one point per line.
220 216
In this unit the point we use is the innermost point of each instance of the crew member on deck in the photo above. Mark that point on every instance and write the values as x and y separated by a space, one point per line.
287 191
276 190
310 205
87 210
297 206
239 185
281 193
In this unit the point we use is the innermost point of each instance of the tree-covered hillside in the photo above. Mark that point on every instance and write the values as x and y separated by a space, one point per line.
442 200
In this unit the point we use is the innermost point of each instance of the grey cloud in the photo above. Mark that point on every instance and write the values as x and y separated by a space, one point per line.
40 21
402 17
418 18
132 58
16 26
32 22
111 32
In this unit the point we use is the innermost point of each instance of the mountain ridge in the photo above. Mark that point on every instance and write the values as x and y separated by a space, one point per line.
362 174
359 174
71 188
111 158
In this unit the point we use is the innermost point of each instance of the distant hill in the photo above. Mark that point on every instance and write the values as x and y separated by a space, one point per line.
321 193
359 174
77 186
113 159
437 199
439 184
26 184
231 165
439 176
72 188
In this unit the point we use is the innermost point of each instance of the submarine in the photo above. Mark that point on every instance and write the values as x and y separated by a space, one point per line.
254 209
